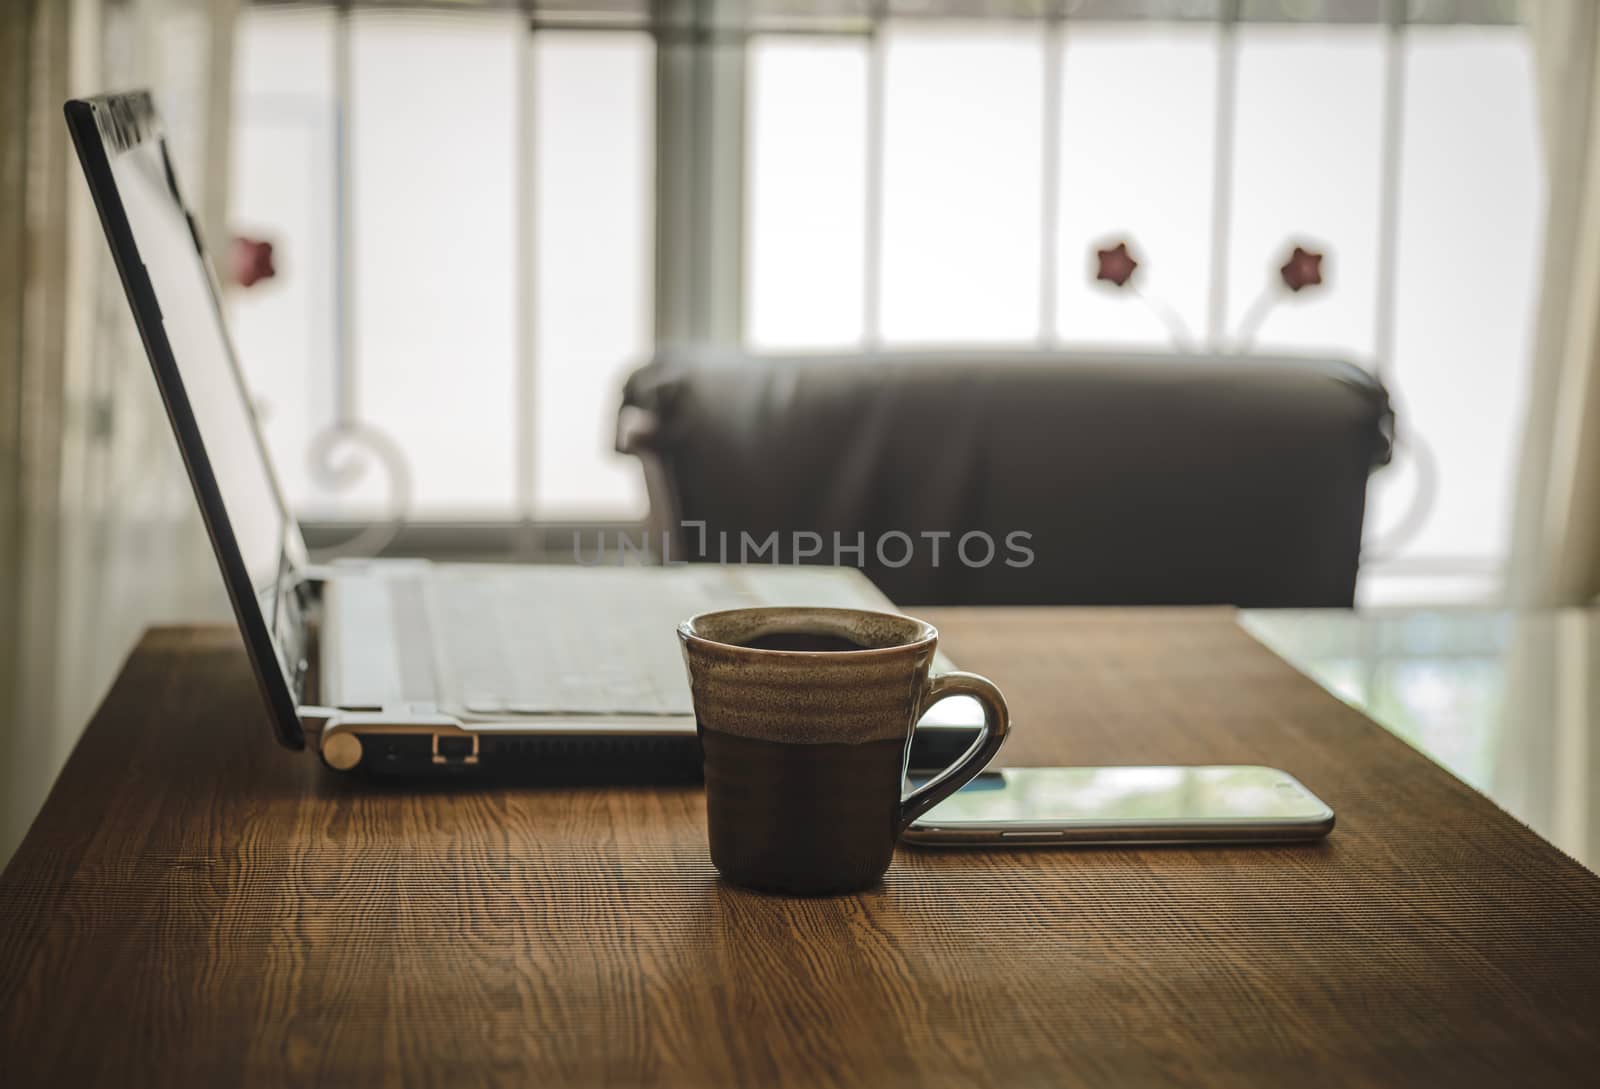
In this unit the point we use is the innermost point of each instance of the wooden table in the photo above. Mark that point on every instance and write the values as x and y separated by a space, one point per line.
196 906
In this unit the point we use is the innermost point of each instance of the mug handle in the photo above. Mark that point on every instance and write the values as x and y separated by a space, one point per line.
996 723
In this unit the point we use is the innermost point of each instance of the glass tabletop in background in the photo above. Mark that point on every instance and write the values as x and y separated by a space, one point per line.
1508 702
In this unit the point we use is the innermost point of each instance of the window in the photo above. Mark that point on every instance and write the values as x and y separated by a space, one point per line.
806 231
434 219
466 206
283 177
1212 150
961 184
461 217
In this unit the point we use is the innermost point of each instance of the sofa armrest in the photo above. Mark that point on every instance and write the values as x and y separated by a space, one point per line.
637 431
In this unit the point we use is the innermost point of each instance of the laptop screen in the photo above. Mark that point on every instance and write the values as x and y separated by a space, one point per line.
175 301
181 278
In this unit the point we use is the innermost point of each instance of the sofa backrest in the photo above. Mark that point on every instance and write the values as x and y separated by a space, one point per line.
1137 479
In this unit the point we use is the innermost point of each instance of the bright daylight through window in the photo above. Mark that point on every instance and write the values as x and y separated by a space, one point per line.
479 304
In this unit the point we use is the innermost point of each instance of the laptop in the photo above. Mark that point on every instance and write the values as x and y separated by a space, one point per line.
407 666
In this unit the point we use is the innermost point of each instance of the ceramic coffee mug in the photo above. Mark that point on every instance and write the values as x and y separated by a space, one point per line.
805 718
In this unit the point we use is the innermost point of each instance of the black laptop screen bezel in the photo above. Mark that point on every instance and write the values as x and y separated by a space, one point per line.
112 124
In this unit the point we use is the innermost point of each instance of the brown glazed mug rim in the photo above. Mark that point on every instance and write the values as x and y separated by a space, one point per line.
926 633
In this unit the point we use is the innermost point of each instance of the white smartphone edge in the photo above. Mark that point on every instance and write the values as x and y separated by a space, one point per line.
1131 831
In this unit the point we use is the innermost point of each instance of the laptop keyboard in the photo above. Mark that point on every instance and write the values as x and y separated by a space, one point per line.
483 640
571 640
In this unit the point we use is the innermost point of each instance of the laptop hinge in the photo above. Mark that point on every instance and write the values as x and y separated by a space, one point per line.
312 720
312 574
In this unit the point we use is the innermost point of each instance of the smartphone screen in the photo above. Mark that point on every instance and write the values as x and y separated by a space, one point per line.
1155 804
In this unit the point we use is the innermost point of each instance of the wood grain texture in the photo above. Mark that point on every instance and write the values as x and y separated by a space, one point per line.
196 906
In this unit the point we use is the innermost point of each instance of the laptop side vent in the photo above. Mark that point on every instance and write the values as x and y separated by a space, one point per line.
553 760
592 760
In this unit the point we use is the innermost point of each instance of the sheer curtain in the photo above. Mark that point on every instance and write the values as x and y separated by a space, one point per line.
1556 543
99 537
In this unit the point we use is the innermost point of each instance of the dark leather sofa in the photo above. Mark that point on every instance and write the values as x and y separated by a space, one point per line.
1138 479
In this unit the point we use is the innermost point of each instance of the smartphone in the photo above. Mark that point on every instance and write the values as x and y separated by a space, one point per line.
1014 807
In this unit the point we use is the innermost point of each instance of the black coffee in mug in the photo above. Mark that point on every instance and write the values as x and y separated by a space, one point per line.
802 640
805 718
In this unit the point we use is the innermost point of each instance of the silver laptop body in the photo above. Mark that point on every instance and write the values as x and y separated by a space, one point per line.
457 664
